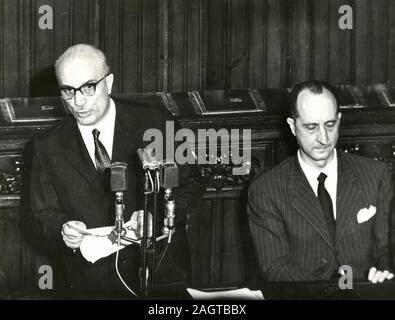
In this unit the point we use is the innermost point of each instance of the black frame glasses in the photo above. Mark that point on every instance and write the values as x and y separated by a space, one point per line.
87 89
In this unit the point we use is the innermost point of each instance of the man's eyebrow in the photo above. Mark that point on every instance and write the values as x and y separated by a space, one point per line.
333 120
86 82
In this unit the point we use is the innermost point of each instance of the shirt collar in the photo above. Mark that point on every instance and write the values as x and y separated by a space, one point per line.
312 173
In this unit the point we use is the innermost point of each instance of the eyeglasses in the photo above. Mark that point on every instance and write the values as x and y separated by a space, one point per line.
87 89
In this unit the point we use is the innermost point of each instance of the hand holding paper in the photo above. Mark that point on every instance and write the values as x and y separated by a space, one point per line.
98 243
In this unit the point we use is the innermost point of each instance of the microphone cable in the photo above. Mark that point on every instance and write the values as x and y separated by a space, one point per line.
119 274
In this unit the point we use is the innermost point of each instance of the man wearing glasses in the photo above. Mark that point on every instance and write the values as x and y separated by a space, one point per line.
69 182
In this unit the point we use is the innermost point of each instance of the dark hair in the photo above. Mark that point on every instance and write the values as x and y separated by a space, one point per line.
315 87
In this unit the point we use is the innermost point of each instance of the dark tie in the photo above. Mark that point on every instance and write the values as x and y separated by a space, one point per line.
101 156
326 203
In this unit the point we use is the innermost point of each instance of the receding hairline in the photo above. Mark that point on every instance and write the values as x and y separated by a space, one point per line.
82 51
312 92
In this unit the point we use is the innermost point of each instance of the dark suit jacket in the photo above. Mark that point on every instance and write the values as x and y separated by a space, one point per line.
288 228
66 186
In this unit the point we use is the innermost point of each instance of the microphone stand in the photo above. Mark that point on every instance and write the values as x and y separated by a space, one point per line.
154 219
144 245
119 209
148 254
156 176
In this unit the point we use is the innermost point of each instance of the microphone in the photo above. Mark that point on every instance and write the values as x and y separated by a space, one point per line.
168 175
119 184
169 180
148 159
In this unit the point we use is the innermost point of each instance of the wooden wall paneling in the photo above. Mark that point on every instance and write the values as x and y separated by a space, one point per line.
274 67
339 64
362 30
63 32
216 239
217 41
391 43
84 20
2 46
111 17
233 250
320 39
42 81
10 49
94 22
299 38
195 44
238 45
257 40
379 44
164 46
178 39
131 75
150 45
10 248
24 47
201 243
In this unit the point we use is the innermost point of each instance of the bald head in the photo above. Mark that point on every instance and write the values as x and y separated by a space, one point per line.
83 52
82 70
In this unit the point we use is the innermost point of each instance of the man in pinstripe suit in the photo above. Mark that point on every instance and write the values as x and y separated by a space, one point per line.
297 234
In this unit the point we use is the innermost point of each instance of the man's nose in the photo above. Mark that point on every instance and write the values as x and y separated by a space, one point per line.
79 98
322 136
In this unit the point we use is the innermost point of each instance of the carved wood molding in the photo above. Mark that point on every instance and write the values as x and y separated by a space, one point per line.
219 175
11 180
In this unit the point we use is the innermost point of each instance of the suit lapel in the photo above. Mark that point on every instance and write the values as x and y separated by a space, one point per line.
349 196
78 156
305 201
124 137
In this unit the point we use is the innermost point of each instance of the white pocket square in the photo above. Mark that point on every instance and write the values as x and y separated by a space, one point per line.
365 214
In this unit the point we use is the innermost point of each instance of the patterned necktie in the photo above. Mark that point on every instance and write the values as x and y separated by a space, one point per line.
101 156
326 203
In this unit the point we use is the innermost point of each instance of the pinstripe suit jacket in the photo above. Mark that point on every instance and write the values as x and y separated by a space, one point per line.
288 229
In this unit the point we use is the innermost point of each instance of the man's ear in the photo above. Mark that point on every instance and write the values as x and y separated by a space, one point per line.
109 82
339 115
291 124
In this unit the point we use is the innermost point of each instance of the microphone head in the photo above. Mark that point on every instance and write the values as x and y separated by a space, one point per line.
169 175
119 176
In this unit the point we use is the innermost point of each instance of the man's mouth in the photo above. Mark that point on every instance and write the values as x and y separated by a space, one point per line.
322 147
82 114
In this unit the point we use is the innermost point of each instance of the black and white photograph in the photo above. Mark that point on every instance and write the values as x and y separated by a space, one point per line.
197 151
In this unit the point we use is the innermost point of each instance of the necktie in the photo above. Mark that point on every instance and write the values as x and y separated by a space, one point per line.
101 156
326 203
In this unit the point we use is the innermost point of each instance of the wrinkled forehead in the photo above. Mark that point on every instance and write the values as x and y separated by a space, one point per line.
75 71
316 107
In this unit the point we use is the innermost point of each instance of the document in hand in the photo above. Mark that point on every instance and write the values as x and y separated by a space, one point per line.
98 242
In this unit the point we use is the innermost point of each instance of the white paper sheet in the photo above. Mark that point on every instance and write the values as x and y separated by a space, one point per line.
97 244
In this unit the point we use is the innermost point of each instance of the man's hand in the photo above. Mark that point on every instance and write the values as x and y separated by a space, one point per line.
137 222
379 276
71 236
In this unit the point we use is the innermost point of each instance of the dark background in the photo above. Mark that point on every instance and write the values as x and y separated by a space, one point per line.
179 45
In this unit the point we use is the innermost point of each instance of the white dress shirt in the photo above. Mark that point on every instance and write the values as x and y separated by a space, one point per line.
330 170
106 127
